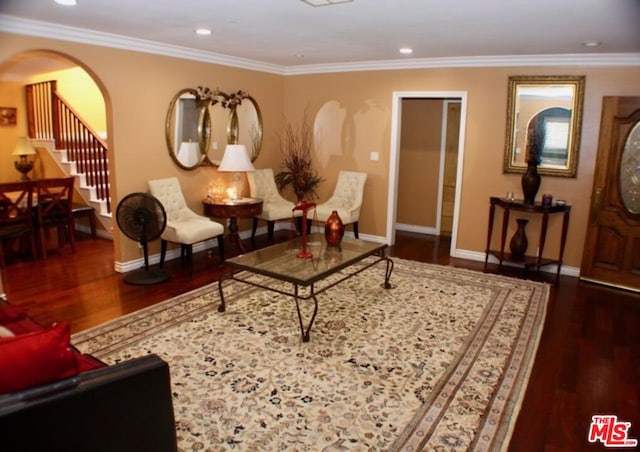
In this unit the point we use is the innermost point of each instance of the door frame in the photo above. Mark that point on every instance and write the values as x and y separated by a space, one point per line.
394 157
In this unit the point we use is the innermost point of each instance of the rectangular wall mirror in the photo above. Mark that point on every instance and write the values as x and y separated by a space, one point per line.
555 104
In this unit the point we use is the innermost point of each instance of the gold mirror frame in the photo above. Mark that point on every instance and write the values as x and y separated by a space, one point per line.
245 127
188 119
531 97
220 117
212 130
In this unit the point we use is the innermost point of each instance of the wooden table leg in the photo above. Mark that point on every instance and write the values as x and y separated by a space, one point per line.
492 211
543 238
233 234
503 236
563 241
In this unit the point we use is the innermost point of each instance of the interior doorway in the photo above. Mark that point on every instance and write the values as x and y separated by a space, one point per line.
449 174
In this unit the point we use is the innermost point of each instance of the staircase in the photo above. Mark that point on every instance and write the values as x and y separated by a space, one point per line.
73 145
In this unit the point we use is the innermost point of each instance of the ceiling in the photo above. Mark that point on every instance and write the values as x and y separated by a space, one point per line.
289 35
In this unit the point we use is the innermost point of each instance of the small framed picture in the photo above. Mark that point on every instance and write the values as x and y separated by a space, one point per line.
8 116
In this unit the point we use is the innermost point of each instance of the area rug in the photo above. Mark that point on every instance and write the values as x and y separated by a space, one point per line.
438 362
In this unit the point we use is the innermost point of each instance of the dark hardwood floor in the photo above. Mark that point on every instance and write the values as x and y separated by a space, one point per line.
588 360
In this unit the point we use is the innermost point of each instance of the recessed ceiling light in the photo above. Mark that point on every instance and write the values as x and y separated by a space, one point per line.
406 50
325 2
66 2
203 31
591 43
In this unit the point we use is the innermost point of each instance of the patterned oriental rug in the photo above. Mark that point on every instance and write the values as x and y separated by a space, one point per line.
438 362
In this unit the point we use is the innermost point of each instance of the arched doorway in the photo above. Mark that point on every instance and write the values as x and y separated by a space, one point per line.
81 88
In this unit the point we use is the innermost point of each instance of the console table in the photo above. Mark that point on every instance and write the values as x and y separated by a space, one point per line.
233 209
529 262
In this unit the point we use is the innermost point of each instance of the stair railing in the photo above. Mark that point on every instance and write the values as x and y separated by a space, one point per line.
50 117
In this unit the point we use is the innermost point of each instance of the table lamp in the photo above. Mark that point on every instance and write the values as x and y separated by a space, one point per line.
23 149
235 160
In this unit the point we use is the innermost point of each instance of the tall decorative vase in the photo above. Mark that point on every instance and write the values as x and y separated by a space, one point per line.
530 182
334 229
519 242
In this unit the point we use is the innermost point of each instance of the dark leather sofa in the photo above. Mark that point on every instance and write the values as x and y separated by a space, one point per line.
122 407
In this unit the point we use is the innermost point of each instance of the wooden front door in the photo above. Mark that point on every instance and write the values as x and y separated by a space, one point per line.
612 246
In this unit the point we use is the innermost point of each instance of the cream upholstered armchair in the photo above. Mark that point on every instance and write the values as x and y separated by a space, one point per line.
184 226
262 184
346 200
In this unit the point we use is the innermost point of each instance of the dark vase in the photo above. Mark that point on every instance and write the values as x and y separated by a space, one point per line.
333 229
530 183
519 242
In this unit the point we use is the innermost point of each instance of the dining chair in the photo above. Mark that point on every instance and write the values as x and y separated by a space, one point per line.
346 200
184 226
262 184
16 215
55 210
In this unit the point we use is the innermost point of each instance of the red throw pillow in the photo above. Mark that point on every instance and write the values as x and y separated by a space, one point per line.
10 313
32 359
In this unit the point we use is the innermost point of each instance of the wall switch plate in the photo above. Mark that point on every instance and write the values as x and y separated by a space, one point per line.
375 156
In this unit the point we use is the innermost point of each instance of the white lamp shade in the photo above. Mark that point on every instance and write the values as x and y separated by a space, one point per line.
189 153
23 147
235 159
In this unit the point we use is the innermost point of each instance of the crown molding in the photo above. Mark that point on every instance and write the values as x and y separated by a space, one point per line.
587 60
12 24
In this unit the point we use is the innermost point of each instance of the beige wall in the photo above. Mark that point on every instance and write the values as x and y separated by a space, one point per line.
80 91
78 88
366 98
11 95
138 88
420 143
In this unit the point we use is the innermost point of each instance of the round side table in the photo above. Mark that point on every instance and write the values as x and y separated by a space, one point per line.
233 209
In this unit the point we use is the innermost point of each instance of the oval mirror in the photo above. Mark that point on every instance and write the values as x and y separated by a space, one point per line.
219 115
245 125
188 129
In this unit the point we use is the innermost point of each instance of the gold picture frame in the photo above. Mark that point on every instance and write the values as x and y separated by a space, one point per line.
556 103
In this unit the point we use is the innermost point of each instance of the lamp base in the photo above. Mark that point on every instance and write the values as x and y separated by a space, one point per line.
23 166
238 184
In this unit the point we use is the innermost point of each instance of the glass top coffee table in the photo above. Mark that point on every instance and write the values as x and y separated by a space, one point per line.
280 262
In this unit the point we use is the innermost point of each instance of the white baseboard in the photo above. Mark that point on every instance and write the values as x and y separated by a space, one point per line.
123 267
136 264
